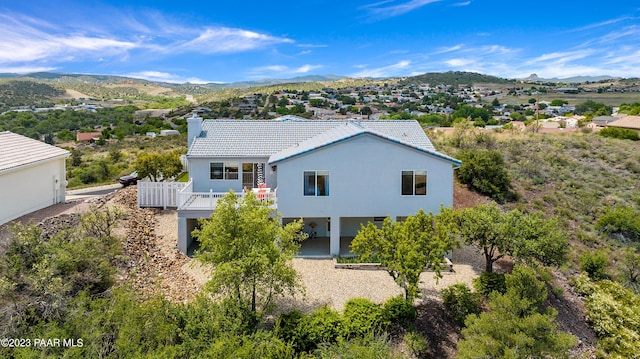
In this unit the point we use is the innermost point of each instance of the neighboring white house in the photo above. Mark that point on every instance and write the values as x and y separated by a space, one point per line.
333 174
32 175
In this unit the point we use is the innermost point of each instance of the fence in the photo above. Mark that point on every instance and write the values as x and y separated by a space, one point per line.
159 194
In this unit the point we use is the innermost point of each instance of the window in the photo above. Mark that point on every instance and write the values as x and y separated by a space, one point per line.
414 183
223 170
316 183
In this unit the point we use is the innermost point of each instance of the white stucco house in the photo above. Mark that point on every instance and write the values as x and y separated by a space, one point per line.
333 174
32 175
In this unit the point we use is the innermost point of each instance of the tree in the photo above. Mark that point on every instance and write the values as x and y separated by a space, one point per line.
76 157
481 226
531 331
484 171
405 248
537 240
495 102
250 252
528 237
158 166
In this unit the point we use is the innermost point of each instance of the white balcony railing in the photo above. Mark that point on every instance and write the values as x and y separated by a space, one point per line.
189 200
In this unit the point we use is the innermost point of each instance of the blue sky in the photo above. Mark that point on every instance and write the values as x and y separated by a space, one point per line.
215 41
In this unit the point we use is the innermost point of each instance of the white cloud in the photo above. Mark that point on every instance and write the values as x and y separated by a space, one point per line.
459 62
561 57
466 3
24 42
166 77
306 69
25 69
397 69
444 50
227 40
386 9
282 70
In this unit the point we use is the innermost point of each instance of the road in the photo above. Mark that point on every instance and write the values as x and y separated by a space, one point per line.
91 191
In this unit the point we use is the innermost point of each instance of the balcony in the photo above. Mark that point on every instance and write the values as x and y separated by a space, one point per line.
189 200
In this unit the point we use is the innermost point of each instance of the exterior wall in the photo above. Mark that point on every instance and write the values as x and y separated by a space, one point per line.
364 181
199 170
31 187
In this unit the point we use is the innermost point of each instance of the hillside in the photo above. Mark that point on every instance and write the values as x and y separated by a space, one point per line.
17 93
454 78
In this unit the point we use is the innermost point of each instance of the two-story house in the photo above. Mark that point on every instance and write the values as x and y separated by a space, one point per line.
333 174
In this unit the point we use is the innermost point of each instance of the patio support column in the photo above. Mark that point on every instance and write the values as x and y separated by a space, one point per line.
334 238
183 235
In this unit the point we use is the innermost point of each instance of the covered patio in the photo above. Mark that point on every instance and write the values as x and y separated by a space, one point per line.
319 247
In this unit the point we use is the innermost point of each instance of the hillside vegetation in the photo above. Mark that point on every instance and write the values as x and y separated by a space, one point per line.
454 78
16 93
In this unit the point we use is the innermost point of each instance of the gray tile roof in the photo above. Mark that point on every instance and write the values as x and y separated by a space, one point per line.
352 129
290 135
17 150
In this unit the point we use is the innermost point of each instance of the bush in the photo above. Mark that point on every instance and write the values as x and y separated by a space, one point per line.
621 221
594 264
460 302
400 311
361 316
612 311
489 282
286 326
322 326
485 172
620 133
417 344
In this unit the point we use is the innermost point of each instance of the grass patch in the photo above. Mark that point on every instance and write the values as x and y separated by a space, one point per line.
183 177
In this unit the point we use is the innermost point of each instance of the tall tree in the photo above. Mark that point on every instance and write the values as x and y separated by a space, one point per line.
250 252
405 248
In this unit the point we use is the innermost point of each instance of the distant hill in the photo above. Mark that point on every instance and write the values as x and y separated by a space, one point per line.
16 93
574 79
454 78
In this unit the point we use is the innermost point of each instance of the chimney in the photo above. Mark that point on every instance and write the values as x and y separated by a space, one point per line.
194 125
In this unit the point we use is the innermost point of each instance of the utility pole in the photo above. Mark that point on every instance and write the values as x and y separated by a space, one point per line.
537 111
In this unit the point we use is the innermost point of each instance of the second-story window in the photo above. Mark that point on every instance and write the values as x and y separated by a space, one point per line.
414 183
316 183
223 170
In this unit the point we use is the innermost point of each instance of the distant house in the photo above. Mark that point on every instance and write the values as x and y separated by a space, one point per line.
88 136
628 122
169 132
32 175
334 174
603 121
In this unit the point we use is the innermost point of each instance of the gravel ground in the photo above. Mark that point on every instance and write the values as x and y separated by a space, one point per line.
326 285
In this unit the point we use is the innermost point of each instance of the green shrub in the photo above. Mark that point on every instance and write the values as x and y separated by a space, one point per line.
322 326
359 348
620 133
594 264
489 282
286 326
612 311
485 172
622 221
460 302
417 344
361 316
400 311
